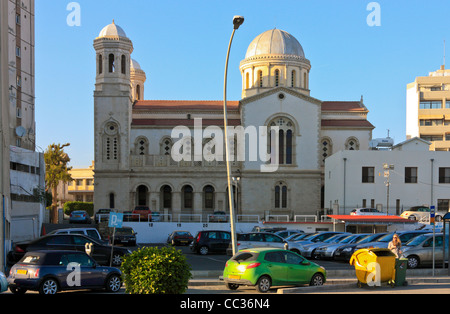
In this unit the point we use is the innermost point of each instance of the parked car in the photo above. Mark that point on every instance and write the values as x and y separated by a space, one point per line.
366 211
102 215
258 239
218 217
327 251
345 252
298 237
297 245
419 250
90 232
383 242
308 250
71 242
417 213
52 271
124 235
180 237
208 241
141 213
287 233
3 282
267 267
79 216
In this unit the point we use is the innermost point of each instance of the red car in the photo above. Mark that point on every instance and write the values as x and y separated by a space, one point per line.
144 213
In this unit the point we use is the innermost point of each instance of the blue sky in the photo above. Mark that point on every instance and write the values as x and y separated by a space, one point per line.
181 45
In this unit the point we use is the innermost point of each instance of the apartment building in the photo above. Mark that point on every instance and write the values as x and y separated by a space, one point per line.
428 109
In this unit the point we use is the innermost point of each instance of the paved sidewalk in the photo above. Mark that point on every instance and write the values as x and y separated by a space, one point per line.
337 280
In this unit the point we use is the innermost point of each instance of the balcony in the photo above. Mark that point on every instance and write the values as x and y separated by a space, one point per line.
163 161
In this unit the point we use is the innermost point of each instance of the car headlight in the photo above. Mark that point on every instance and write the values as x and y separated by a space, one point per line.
347 249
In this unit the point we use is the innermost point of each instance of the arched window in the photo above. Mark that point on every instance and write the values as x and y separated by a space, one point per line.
281 195
188 195
247 80
277 77
111 201
327 149
166 197
166 146
100 64
141 146
293 78
111 62
111 142
352 144
123 64
260 79
305 85
285 149
142 192
208 194
138 92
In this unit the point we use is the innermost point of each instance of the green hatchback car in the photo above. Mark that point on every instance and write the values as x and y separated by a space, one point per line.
267 267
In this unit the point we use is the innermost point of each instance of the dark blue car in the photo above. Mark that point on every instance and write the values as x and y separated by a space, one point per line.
52 271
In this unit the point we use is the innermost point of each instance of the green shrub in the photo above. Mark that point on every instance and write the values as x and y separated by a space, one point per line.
153 270
72 206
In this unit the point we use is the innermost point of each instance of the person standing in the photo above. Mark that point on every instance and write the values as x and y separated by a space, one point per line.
396 245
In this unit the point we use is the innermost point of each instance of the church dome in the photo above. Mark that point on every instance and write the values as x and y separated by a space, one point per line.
112 30
135 65
275 42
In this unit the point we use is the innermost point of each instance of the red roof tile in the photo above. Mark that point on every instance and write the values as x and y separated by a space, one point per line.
347 123
206 105
342 106
184 122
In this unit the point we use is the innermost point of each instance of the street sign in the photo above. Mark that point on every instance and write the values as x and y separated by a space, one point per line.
115 220
432 215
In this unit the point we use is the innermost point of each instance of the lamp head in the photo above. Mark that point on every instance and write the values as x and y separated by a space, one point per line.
237 21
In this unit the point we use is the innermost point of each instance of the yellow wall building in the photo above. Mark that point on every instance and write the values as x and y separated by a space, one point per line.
428 109
81 189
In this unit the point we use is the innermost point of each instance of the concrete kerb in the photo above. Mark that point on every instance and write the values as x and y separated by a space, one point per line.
337 279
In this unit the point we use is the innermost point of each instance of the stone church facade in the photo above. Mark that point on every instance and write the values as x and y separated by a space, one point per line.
135 142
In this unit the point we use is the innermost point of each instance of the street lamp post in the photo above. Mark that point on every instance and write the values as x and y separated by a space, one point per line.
237 21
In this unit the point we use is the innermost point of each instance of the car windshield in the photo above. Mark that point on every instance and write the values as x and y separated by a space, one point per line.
123 231
386 238
182 233
333 239
347 239
31 259
370 238
417 240
245 257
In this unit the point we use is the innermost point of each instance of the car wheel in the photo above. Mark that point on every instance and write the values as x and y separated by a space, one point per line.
413 262
113 283
317 280
203 250
117 259
263 284
412 218
232 286
49 286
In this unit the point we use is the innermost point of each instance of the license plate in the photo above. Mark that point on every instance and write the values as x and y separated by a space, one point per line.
22 272
234 277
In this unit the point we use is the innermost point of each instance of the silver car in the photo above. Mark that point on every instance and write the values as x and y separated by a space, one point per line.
419 251
327 251
308 249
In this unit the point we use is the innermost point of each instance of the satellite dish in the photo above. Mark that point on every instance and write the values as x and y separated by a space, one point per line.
20 131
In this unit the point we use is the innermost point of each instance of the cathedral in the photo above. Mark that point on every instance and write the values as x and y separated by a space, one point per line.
136 141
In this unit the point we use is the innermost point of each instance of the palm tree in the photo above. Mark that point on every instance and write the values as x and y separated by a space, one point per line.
56 170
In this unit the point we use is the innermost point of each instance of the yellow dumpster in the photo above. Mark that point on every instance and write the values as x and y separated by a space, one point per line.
374 266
